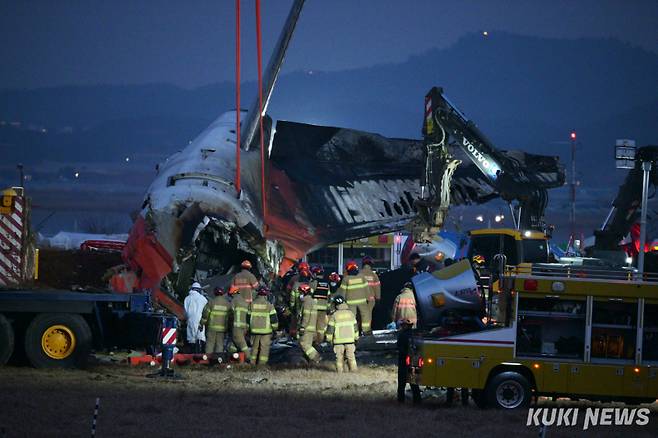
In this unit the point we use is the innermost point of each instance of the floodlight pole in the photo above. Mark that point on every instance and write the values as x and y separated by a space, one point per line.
572 215
646 168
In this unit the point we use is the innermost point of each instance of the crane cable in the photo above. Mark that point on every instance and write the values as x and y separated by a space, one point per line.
260 116
237 97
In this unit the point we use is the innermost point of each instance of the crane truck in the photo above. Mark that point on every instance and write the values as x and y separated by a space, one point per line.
56 328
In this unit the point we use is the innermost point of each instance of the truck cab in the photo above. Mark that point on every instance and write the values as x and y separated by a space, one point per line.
518 246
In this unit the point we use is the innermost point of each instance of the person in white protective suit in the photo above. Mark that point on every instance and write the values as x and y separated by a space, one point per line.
194 304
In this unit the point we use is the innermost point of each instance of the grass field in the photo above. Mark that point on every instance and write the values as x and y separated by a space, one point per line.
244 401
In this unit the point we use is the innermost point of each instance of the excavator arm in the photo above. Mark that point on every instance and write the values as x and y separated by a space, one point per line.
521 179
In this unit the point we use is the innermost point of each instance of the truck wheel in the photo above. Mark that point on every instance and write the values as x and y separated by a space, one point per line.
58 340
6 340
508 390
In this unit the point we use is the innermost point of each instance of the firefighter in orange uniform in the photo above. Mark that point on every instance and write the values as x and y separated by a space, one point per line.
404 307
244 282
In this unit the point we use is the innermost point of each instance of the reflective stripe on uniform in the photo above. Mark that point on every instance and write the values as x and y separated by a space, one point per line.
351 285
407 303
218 311
357 301
240 317
260 318
343 321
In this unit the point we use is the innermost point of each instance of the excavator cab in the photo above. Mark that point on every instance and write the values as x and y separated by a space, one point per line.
518 246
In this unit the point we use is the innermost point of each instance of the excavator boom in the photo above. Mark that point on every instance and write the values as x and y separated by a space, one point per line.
517 177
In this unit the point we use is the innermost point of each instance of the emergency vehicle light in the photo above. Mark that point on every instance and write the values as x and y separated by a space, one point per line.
408 360
421 362
530 284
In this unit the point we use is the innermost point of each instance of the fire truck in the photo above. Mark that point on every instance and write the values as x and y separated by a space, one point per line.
558 331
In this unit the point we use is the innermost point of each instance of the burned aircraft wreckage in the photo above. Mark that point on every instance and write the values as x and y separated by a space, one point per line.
321 185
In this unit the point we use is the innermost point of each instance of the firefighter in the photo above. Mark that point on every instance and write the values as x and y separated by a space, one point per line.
374 286
321 295
215 319
303 277
334 283
308 321
194 304
342 333
244 282
354 288
239 312
404 307
262 322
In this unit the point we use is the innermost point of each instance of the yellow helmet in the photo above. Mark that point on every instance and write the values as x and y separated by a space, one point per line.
478 259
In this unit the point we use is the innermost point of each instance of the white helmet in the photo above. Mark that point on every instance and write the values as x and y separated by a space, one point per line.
196 286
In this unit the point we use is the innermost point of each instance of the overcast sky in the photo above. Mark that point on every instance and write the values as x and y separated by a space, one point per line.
191 43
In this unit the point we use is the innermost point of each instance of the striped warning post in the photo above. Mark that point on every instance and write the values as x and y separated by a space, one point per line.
93 422
11 243
168 335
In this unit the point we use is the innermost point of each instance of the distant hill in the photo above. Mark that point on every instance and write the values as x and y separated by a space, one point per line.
523 92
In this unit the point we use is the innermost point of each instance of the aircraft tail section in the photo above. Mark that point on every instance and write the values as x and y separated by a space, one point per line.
271 74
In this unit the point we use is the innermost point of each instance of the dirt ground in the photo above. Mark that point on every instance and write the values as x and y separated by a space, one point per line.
244 401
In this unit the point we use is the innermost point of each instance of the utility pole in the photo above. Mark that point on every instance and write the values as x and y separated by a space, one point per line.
572 214
646 168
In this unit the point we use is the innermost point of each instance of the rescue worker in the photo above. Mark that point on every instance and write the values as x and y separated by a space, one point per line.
404 307
244 282
404 337
354 288
215 318
194 303
342 333
239 312
308 320
374 286
303 277
262 322
321 295
334 283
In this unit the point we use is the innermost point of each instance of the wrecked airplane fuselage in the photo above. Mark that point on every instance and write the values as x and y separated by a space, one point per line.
193 222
